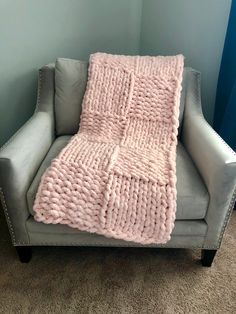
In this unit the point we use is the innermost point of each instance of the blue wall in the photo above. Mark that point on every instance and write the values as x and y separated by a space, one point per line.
225 107
195 28
33 33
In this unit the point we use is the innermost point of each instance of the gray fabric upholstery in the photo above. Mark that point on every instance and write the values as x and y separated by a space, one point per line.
46 90
215 161
70 84
70 81
185 234
192 196
19 161
182 98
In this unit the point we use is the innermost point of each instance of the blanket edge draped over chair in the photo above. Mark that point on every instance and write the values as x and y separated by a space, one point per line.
117 175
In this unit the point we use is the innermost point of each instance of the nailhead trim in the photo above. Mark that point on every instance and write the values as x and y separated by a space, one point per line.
9 223
109 245
19 243
233 199
227 217
39 89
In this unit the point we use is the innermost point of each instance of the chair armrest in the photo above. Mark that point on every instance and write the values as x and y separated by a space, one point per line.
215 161
20 158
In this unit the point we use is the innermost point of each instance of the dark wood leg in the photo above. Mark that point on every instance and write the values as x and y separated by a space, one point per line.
24 253
208 257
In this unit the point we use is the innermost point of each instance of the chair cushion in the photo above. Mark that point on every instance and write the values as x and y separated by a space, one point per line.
70 84
192 196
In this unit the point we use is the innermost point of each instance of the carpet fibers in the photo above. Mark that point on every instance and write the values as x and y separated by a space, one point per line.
117 280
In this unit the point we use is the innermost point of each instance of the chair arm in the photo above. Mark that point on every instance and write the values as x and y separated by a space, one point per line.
20 158
215 161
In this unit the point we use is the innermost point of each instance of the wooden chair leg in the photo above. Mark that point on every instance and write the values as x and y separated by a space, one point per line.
24 253
208 257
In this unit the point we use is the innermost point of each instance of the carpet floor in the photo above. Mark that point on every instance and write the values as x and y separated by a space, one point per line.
117 280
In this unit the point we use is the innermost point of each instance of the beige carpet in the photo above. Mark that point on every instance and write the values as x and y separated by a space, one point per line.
107 280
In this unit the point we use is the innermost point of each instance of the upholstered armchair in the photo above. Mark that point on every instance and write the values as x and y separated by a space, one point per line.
206 168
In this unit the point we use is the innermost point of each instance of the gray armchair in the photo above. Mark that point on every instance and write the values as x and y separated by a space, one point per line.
206 168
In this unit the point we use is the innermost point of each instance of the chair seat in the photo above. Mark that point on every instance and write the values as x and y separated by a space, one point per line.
192 195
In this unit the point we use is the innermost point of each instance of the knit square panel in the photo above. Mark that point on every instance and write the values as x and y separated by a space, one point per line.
102 127
108 90
154 136
145 164
87 153
125 214
152 98
71 194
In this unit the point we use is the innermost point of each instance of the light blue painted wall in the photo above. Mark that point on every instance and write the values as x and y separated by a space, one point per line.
36 32
195 28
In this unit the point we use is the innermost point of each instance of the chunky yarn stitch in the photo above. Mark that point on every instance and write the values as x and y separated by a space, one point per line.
117 175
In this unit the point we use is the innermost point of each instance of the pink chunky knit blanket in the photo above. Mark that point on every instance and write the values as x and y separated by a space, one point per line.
117 175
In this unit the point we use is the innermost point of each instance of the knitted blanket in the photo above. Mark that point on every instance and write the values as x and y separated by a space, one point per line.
117 175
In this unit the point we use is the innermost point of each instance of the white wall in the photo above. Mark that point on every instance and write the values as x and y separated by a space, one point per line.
195 28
